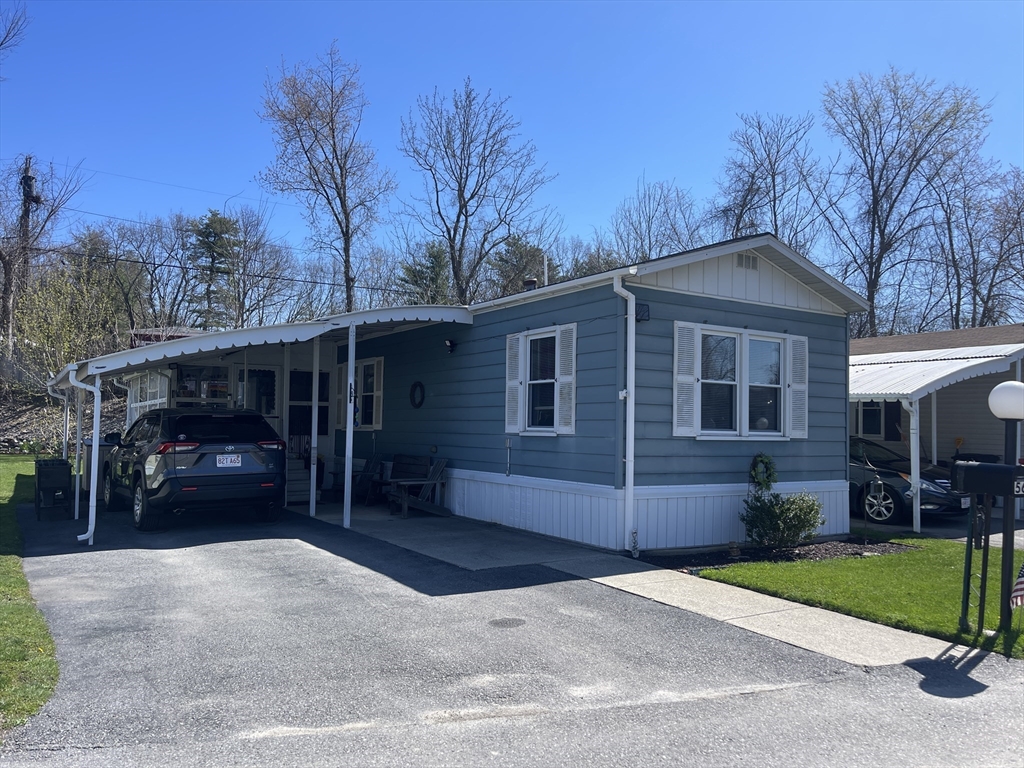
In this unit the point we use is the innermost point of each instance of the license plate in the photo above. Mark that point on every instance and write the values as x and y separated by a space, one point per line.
965 502
229 460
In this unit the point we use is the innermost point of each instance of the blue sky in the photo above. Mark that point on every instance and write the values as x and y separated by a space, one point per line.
169 92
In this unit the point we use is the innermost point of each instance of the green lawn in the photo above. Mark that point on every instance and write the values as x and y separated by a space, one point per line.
919 591
28 664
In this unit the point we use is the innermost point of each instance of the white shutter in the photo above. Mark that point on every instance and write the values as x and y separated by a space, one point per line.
798 386
341 404
378 392
566 380
513 382
686 385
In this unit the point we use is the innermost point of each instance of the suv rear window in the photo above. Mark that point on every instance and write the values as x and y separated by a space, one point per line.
215 428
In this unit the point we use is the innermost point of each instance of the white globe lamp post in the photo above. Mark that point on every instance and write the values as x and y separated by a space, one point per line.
1006 401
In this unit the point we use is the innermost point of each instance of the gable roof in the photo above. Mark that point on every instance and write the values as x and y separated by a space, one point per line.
964 337
765 246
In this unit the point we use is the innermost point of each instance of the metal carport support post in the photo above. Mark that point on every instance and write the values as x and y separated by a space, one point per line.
315 426
94 469
350 402
911 406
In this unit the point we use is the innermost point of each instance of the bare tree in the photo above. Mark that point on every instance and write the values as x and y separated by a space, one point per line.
771 181
656 220
258 271
479 179
581 258
900 134
316 112
29 209
13 26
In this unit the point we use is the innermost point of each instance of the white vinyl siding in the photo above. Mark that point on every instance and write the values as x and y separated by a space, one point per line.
540 382
729 382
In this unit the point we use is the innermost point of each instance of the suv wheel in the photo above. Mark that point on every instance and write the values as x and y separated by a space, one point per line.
145 519
110 499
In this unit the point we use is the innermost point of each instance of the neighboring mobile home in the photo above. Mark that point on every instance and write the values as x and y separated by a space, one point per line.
620 410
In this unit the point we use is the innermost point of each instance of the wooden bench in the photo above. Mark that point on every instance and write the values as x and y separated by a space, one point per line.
412 483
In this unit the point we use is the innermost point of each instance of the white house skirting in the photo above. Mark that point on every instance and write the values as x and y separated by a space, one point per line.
667 516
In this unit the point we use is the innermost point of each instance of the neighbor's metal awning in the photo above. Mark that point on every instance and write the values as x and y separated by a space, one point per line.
912 375
906 377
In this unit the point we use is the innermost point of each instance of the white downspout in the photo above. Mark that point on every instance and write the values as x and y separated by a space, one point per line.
915 458
79 396
63 398
315 426
94 469
628 394
350 402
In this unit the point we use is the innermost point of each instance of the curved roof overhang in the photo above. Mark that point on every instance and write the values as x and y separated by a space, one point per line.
912 375
369 323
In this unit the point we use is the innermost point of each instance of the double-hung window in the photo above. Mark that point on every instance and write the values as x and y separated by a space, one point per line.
738 383
540 381
369 393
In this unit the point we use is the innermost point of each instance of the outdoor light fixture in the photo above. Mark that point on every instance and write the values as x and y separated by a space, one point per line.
1006 401
450 343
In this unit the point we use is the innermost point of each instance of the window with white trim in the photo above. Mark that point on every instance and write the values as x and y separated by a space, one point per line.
540 381
369 394
868 419
738 383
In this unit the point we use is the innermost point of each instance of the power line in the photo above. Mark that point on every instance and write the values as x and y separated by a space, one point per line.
175 186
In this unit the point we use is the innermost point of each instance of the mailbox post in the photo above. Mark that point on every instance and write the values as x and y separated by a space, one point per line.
1006 401
998 480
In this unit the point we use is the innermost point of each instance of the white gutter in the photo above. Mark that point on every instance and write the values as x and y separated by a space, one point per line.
911 406
350 403
94 469
629 395
63 398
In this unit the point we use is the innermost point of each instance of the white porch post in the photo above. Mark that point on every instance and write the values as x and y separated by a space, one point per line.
315 428
912 408
350 402
935 427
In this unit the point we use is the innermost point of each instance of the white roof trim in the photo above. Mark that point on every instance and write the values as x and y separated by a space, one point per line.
912 375
174 349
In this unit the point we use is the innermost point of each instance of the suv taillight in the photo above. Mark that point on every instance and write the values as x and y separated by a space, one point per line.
176 447
271 444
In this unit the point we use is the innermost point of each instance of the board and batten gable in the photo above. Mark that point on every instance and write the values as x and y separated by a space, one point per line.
721 277
463 411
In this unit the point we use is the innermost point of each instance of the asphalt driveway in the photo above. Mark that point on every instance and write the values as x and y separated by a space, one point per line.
301 643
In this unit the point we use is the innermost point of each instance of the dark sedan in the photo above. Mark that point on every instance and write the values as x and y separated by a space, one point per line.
895 502
175 459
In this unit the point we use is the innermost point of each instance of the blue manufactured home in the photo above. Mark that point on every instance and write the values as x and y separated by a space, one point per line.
620 410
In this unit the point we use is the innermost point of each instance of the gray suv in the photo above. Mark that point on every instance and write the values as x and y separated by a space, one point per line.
177 459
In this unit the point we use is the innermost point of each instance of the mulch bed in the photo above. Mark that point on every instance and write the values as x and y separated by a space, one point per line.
824 550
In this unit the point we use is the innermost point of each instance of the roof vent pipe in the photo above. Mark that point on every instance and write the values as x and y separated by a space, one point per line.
530 284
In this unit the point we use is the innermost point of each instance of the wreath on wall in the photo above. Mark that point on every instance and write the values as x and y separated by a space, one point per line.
417 394
762 472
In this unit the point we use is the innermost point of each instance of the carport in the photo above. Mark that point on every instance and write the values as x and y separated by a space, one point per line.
87 376
907 377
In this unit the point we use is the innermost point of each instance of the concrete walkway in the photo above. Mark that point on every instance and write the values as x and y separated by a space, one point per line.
477 546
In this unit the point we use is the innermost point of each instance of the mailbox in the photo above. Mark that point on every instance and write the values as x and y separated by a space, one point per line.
1005 480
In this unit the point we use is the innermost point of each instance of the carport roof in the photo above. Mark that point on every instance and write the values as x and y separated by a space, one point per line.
910 375
369 323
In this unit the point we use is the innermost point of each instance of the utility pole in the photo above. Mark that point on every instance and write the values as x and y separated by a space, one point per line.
14 260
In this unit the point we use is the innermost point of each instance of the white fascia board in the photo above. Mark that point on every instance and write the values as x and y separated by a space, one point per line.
556 289
421 313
